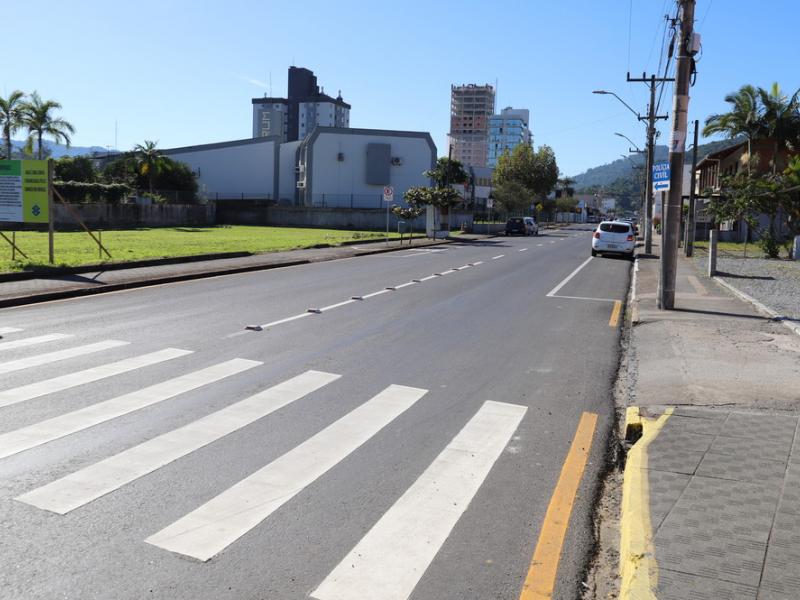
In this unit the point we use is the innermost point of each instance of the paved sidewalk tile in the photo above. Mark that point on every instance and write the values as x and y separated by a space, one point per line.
673 585
742 467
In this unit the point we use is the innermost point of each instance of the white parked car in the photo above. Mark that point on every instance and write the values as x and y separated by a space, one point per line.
614 237
531 225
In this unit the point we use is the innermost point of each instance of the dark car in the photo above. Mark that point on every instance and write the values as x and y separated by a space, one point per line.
516 225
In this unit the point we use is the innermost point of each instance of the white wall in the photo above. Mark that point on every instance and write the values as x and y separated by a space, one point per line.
231 171
341 178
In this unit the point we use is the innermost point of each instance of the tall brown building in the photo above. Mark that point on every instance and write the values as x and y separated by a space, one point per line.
471 106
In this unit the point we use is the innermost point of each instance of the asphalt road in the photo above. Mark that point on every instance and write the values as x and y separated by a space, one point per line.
403 445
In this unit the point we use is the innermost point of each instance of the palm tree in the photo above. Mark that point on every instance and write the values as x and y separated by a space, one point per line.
149 160
744 118
781 118
39 119
11 116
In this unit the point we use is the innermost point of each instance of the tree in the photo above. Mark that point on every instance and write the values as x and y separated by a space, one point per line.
38 118
447 172
780 119
566 204
408 213
441 198
75 168
11 113
512 197
149 161
537 171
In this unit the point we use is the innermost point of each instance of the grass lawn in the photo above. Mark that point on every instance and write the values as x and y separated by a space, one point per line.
77 248
737 249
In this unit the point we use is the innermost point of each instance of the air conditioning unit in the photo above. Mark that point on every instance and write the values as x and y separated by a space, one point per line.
396 161
301 185
340 157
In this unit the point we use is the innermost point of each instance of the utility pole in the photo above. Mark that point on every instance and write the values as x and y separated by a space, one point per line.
688 242
671 228
651 119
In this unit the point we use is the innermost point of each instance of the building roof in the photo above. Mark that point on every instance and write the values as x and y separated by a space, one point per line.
217 145
720 154
317 98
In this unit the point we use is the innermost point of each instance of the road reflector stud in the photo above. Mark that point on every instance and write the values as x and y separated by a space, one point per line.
254 328
390 287
356 297
316 311
417 280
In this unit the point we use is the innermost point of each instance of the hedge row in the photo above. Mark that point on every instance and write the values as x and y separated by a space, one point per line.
80 191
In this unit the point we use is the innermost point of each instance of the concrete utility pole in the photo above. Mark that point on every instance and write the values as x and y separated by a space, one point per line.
688 241
651 119
671 226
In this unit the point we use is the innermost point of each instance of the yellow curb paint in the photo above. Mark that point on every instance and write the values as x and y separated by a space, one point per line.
638 566
614 320
541 577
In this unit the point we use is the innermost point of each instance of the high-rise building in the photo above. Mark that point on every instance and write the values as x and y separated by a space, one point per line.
306 106
508 130
471 106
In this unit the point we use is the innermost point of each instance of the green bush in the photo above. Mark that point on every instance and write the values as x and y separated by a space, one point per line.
80 191
768 242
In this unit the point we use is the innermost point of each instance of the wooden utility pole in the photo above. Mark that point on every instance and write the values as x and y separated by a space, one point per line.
651 119
671 221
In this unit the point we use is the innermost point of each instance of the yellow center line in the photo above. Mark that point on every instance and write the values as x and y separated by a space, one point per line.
543 569
614 320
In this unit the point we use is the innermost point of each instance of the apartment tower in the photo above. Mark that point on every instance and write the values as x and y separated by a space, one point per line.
471 106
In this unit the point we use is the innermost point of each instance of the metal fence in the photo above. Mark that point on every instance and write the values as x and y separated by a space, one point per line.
352 201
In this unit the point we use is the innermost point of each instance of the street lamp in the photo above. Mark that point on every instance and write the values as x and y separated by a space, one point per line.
638 116
631 141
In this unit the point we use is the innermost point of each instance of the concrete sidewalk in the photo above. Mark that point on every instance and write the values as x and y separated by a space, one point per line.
711 486
52 287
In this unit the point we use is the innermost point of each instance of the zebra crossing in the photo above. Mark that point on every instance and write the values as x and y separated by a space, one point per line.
387 562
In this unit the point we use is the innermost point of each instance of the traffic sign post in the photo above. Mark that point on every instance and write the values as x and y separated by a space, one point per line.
661 176
388 196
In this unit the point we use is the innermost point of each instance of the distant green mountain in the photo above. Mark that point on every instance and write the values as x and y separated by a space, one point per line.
622 169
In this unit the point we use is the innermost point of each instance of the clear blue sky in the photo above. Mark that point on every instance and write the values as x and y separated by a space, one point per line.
184 72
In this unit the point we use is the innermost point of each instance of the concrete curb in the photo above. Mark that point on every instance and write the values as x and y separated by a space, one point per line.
153 281
638 566
759 306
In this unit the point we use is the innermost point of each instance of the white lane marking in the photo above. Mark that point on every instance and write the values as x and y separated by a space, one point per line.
402 285
219 522
392 557
554 291
5 330
89 416
70 380
461 268
51 357
523 249
585 298
479 262
286 320
428 278
80 488
39 339
498 256
337 305
537 245
553 242
447 272
378 293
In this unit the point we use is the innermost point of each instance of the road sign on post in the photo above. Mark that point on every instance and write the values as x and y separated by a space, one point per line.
661 176
388 196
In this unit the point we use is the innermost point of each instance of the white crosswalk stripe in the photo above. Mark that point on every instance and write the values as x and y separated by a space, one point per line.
7 330
88 484
78 420
70 380
390 560
51 357
216 524
31 341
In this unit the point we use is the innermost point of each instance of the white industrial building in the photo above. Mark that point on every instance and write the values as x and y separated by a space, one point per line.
330 167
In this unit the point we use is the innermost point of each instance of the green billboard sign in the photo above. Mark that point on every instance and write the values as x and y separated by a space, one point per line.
23 191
